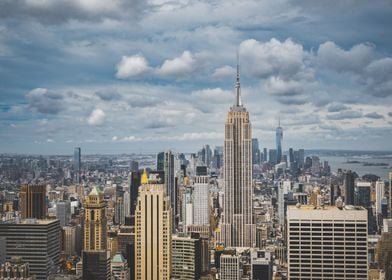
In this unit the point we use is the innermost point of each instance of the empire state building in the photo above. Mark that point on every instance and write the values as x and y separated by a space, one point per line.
237 228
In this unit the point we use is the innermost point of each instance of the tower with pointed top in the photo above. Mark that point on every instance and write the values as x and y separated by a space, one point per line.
279 138
237 228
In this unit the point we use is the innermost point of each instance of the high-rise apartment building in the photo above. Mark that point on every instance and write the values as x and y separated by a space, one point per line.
36 242
279 138
33 201
153 231
327 242
237 228
95 221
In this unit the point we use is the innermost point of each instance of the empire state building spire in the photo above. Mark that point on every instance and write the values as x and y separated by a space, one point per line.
238 85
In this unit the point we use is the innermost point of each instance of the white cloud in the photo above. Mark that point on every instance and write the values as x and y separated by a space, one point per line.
215 95
131 66
263 59
96 117
354 60
224 72
45 101
179 66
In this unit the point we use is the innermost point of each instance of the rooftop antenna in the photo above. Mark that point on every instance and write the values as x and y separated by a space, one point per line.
237 84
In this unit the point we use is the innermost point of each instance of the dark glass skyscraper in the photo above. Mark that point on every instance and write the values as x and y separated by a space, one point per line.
349 187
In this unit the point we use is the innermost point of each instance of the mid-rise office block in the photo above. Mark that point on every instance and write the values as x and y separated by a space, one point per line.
36 242
327 243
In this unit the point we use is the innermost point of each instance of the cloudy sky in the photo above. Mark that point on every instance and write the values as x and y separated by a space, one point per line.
142 76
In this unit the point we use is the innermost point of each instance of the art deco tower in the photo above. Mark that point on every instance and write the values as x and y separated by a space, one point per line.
237 228
153 231
95 221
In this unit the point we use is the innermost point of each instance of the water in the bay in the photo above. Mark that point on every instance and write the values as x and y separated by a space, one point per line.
362 163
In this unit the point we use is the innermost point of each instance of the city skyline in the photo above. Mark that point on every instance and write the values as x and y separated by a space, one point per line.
88 76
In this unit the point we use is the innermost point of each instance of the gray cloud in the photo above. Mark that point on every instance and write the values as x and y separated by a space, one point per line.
345 115
390 114
44 101
378 77
60 11
336 107
108 95
353 60
373 115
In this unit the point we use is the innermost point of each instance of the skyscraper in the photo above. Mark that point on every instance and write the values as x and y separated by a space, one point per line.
279 138
33 201
349 187
152 231
77 159
237 226
95 221
160 161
